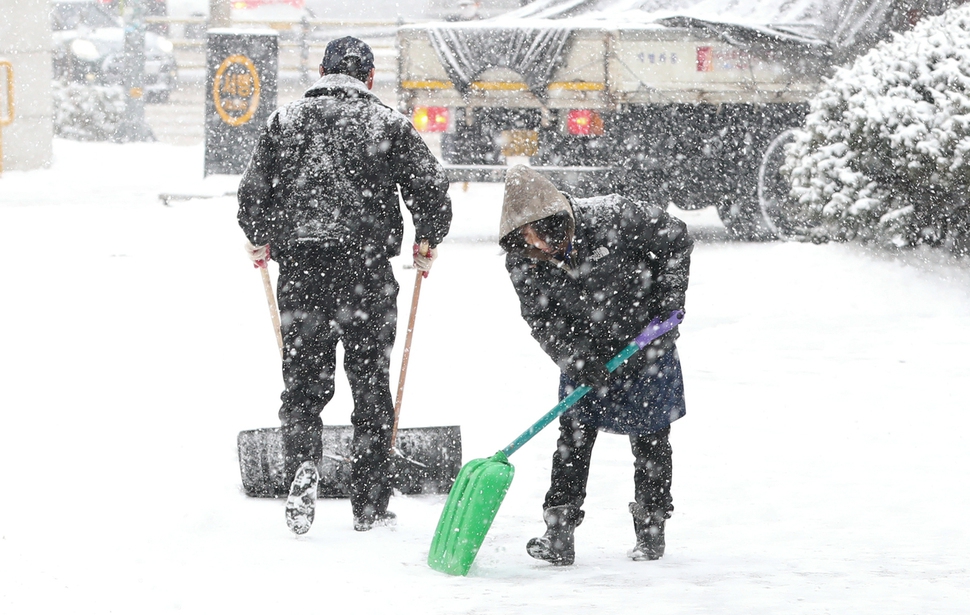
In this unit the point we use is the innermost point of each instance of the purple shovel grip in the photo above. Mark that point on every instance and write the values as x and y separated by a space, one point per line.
656 328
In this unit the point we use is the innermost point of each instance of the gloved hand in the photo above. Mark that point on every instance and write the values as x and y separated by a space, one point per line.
424 257
258 254
590 371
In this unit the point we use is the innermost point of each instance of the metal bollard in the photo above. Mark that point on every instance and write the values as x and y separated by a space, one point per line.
305 77
134 127
6 96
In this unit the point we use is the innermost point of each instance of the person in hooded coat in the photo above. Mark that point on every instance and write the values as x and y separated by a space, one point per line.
590 275
320 196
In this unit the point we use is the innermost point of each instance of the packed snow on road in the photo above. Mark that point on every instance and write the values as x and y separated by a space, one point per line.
821 466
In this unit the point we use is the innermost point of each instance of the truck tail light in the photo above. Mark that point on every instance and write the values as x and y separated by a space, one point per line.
430 119
584 123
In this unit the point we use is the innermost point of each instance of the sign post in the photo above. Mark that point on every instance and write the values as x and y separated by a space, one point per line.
133 126
241 68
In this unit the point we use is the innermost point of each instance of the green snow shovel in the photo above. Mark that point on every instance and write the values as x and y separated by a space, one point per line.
481 484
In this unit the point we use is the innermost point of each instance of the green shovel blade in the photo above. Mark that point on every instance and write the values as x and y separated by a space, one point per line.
471 507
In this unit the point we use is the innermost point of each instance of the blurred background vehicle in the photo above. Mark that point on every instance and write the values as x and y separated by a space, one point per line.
150 8
689 102
89 41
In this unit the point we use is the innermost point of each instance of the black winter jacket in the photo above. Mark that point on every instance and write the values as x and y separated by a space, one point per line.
629 262
327 169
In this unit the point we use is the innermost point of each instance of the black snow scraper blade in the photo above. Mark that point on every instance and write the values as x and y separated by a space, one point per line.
426 460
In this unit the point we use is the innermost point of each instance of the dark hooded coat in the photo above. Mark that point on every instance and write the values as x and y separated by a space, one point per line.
627 264
322 188
327 170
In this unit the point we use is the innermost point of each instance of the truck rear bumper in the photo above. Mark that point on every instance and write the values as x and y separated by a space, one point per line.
580 181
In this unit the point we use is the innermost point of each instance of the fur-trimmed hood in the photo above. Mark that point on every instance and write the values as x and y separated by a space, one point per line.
529 197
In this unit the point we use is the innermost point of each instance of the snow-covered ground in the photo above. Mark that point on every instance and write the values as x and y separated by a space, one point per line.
822 466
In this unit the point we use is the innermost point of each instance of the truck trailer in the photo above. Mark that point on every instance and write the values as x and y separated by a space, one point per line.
683 102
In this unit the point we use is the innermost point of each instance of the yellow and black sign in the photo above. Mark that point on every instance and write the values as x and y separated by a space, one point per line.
241 85
235 90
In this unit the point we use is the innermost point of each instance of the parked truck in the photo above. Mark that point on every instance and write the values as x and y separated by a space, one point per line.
684 102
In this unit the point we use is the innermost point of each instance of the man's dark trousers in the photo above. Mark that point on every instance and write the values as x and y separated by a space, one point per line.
328 295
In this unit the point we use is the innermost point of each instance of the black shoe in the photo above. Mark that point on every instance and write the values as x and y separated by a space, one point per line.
364 523
557 552
557 546
649 527
302 501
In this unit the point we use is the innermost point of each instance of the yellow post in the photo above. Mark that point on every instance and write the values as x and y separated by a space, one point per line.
6 114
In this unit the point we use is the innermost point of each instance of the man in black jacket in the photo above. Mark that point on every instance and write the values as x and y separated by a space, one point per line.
320 195
590 275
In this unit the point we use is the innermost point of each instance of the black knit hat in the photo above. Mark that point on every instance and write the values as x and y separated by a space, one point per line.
343 49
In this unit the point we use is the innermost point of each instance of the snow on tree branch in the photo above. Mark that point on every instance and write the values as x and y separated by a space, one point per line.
883 155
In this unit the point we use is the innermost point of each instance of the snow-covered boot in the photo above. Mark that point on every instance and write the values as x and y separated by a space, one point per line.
366 522
557 546
302 501
649 526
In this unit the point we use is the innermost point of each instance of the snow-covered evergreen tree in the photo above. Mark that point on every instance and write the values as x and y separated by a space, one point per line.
87 112
885 152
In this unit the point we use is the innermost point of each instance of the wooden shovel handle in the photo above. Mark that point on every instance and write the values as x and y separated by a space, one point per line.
274 311
407 346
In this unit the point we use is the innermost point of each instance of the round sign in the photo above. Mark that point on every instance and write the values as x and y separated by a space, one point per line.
235 90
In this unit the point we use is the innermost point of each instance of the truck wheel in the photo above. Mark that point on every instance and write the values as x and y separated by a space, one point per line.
737 200
743 221
782 214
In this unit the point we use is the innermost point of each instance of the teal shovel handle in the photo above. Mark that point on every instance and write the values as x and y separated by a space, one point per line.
655 329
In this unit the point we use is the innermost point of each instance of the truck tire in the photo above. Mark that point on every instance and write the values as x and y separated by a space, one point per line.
738 208
736 200
743 220
782 214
